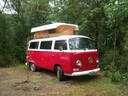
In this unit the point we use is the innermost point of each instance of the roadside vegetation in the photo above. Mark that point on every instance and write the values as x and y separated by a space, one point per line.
105 21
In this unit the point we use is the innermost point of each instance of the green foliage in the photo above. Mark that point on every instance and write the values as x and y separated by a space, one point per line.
7 43
118 77
20 66
15 28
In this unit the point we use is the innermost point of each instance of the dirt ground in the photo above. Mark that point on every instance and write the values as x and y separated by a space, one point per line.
44 83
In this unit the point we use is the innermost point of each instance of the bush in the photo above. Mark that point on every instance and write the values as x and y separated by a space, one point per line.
118 77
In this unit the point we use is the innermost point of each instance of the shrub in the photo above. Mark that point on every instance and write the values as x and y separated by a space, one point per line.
118 77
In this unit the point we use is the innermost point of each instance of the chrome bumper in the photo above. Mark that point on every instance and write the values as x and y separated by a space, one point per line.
83 72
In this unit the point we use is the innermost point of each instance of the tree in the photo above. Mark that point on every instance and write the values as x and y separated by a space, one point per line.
15 28
7 44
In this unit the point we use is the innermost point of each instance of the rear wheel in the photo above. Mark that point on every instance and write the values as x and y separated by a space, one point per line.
60 74
33 67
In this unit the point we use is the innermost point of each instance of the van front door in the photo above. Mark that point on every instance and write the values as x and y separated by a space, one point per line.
58 56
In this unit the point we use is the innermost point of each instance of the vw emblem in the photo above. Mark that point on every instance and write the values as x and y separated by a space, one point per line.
90 60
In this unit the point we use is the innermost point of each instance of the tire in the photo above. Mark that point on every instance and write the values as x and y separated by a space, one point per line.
33 67
60 74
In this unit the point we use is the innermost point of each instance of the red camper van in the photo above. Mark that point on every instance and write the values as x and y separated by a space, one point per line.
70 55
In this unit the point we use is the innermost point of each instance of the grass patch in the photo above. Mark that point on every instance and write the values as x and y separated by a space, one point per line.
106 87
20 66
12 84
52 81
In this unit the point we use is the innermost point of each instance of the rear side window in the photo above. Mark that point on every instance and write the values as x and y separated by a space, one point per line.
34 45
46 45
60 44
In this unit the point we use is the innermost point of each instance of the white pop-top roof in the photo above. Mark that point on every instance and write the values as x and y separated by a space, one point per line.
63 37
51 26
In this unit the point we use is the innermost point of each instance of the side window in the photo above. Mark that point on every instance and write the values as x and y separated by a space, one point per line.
34 45
60 45
46 45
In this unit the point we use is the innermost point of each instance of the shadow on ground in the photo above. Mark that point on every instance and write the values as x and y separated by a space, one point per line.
75 79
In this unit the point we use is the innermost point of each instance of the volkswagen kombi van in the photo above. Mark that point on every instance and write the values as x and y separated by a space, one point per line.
69 55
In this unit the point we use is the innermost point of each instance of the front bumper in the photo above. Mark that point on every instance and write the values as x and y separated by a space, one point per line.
83 72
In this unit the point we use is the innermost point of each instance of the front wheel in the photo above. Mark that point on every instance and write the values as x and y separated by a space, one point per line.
60 74
33 67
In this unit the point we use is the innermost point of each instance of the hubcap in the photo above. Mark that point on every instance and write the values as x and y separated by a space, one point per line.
32 67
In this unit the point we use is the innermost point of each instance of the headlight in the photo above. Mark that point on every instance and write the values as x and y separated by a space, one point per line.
79 63
97 60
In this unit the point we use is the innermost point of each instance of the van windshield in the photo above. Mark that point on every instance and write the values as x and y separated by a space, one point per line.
81 43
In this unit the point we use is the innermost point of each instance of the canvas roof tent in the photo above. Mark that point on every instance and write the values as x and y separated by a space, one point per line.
52 26
52 30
